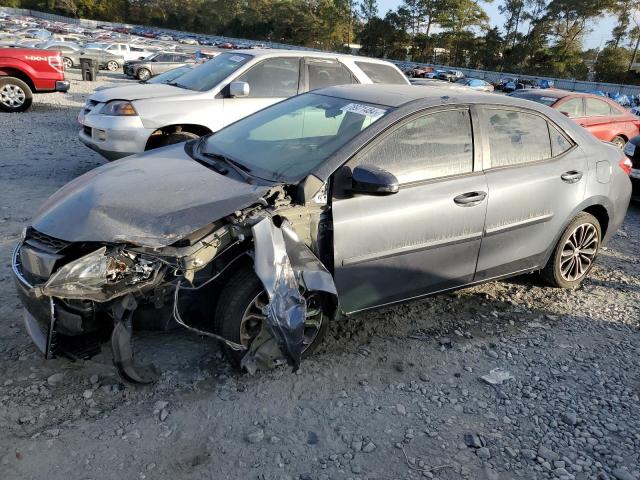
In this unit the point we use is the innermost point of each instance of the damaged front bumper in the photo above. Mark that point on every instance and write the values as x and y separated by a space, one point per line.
74 298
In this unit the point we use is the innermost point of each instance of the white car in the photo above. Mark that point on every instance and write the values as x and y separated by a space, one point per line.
126 120
129 52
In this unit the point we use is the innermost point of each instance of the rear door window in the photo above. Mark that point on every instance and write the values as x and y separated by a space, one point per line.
273 78
380 73
426 147
574 108
516 137
597 108
326 73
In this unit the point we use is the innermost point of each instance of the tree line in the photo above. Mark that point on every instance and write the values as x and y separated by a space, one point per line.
538 37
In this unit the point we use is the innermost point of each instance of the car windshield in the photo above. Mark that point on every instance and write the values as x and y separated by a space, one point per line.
289 140
210 74
548 101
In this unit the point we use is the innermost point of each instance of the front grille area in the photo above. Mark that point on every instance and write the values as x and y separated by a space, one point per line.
45 242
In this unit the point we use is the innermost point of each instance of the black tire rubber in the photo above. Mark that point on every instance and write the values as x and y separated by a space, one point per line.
619 141
28 100
551 272
141 75
243 286
173 138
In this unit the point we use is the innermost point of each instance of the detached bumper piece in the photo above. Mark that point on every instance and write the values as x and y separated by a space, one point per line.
63 86
287 268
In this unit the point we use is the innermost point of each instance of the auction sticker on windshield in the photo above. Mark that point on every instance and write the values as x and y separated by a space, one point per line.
236 58
364 110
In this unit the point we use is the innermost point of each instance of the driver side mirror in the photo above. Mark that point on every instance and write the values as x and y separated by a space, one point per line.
239 89
369 179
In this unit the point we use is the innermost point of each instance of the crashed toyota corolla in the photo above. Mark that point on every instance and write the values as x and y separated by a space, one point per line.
329 203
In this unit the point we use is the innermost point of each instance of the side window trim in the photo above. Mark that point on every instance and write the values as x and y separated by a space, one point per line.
354 160
487 166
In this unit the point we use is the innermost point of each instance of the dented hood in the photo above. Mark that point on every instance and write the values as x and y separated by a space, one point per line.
150 200
139 91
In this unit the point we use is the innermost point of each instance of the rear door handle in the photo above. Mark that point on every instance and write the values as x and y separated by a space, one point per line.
470 199
572 176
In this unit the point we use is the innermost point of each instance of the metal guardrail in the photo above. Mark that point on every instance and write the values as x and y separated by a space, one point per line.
490 76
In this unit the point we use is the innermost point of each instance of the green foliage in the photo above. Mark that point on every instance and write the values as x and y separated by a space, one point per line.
612 64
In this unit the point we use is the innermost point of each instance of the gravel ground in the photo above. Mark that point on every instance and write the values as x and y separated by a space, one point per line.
392 394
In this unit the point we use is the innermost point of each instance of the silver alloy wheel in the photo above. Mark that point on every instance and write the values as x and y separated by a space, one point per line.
619 142
578 252
144 74
112 66
251 322
68 63
12 95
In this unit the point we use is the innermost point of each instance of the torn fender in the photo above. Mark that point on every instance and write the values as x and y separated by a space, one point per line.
286 266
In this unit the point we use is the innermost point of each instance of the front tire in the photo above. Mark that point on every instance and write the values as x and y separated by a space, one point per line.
143 74
67 62
239 314
112 66
174 138
575 253
619 142
15 95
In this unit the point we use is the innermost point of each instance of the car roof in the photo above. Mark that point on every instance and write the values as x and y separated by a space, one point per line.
399 95
276 52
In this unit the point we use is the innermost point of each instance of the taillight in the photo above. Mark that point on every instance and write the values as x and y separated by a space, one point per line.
626 165
56 62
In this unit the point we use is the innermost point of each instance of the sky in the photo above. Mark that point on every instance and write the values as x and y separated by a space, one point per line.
601 28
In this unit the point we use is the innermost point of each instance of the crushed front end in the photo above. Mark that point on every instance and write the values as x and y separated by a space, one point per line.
79 295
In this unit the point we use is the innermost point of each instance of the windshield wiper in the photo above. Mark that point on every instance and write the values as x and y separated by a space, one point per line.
176 84
236 166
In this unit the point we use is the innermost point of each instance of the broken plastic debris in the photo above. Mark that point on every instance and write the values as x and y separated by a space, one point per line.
497 376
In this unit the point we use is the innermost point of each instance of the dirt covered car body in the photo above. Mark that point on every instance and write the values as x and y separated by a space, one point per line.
331 202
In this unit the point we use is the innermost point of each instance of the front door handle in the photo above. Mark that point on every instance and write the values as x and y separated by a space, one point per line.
572 176
470 199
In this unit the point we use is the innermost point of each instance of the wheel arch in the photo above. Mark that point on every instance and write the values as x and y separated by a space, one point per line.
19 74
599 206
196 129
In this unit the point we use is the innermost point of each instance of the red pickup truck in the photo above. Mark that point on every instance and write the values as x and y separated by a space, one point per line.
25 71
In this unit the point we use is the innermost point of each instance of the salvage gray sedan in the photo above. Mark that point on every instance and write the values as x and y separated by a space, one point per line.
329 203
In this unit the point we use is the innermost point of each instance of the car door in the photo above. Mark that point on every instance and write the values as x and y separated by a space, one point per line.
598 119
270 81
424 238
536 177
162 63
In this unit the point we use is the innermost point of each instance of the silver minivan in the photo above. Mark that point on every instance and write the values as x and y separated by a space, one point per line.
131 119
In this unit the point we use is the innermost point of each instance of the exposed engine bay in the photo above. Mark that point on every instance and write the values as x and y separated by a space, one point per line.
103 290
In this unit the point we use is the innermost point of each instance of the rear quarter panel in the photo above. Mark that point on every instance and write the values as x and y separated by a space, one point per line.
33 63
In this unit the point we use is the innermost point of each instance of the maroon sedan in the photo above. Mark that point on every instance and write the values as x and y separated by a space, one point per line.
604 118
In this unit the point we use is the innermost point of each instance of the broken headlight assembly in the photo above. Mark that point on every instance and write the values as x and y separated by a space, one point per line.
102 276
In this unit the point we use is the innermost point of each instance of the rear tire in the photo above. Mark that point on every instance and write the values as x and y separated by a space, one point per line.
236 299
143 74
619 141
15 95
575 252
112 66
67 62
